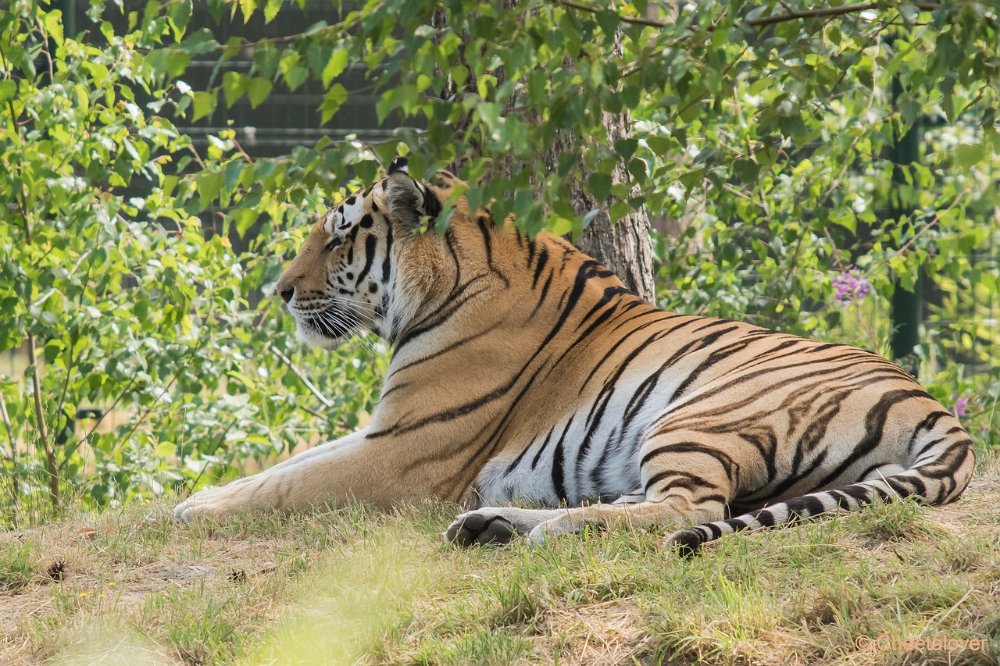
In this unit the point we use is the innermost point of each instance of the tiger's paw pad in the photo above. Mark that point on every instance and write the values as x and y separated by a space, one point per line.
479 528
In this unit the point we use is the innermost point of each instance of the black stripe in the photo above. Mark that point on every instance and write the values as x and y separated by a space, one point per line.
543 257
387 262
700 415
370 242
764 517
713 358
804 507
645 343
736 524
724 459
899 485
488 246
607 297
557 465
927 423
781 488
842 499
864 474
444 350
862 494
948 469
541 299
534 461
874 427
449 239
685 480
431 205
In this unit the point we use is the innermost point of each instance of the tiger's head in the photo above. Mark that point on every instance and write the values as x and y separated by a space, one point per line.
361 266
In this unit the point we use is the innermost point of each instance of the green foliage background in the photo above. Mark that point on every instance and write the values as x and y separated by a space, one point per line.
765 128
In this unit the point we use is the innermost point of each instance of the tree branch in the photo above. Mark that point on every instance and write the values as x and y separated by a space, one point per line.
104 414
47 447
829 11
634 20
298 373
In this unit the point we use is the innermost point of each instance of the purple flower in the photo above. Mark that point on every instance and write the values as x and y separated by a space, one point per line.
961 407
850 286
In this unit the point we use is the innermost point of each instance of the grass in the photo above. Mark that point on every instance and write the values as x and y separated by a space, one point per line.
358 586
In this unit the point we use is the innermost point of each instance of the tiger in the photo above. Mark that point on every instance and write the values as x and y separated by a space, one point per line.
528 385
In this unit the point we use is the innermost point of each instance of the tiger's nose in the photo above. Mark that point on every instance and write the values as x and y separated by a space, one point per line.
286 293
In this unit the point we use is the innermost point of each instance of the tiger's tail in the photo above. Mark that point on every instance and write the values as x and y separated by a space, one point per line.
939 471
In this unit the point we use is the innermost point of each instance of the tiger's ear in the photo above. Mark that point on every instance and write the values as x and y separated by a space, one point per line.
399 163
404 198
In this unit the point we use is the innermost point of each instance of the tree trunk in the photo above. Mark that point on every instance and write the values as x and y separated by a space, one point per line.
623 246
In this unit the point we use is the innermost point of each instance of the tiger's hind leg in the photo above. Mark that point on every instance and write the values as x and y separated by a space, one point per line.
682 482
497 525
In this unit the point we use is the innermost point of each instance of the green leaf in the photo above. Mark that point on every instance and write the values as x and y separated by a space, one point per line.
233 172
599 185
608 20
208 186
8 89
177 61
332 101
203 104
199 42
334 66
294 73
846 219
366 170
248 7
179 12
54 26
271 9
968 155
257 90
234 85
296 76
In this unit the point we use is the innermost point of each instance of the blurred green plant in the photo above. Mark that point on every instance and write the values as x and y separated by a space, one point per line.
764 128
123 302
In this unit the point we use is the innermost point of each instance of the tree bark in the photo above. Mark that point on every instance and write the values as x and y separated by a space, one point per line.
625 248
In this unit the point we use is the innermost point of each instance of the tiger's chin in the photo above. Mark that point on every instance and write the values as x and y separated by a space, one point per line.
319 340
326 332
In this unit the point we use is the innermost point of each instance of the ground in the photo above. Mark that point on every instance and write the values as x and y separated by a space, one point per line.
358 586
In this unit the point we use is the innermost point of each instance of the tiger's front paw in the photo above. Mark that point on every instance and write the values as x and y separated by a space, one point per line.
214 502
480 528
